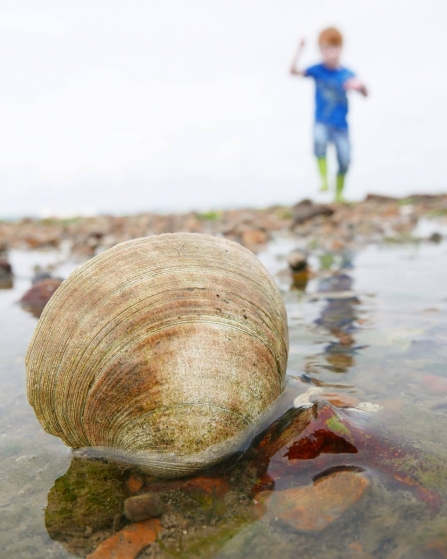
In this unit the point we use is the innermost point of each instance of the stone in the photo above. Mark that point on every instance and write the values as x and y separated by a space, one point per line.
315 506
337 399
307 210
128 542
379 198
435 237
297 261
253 237
142 507
134 484
5 269
202 485
35 299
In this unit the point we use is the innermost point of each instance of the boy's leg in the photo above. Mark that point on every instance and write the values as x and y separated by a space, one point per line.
321 138
343 148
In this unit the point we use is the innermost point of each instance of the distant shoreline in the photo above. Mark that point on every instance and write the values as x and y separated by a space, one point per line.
330 226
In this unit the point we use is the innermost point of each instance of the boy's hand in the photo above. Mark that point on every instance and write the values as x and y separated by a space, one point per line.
295 66
356 85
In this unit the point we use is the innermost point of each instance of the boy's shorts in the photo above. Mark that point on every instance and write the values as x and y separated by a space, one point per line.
325 134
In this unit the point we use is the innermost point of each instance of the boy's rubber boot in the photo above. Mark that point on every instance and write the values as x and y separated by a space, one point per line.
339 188
322 167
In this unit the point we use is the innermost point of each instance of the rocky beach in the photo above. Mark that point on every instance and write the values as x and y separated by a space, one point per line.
332 227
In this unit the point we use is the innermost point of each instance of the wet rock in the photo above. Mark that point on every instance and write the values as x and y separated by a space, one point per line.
297 261
337 399
6 274
5 269
6 283
253 237
142 507
307 210
379 198
134 484
88 498
127 543
313 507
435 237
35 299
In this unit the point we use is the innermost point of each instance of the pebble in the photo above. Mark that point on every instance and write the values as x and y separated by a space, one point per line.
142 507
307 210
313 507
134 484
39 294
5 269
128 542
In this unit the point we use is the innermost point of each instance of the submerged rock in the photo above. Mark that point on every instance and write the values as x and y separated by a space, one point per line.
315 506
142 507
87 498
127 543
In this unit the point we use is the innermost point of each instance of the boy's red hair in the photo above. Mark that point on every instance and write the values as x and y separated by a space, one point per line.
330 36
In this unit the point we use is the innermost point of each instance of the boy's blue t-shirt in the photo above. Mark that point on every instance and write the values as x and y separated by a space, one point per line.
331 101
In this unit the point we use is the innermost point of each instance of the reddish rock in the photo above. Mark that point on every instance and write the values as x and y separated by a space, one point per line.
253 237
203 485
303 443
127 543
313 507
134 484
337 399
35 299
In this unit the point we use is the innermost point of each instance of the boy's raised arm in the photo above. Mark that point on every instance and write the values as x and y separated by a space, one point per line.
294 68
356 85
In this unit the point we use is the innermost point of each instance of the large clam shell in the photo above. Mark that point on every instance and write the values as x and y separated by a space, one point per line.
168 350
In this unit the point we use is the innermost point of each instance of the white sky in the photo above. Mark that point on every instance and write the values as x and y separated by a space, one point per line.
139 105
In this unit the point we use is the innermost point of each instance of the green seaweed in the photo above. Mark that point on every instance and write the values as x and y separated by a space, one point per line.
337 426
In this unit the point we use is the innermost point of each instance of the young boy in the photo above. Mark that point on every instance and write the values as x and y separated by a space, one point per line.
332 81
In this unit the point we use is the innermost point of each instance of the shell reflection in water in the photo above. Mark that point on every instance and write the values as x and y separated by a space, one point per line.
166 351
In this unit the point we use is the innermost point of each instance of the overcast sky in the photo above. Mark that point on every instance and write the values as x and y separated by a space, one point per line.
140 105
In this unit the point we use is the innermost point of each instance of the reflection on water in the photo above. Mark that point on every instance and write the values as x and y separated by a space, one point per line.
326 480
338 317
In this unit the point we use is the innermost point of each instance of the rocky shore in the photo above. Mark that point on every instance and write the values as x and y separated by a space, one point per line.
330 227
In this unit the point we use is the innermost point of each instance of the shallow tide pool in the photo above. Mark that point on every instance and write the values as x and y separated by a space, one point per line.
364 475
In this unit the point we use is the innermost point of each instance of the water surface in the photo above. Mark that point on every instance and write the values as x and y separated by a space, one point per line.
370 326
